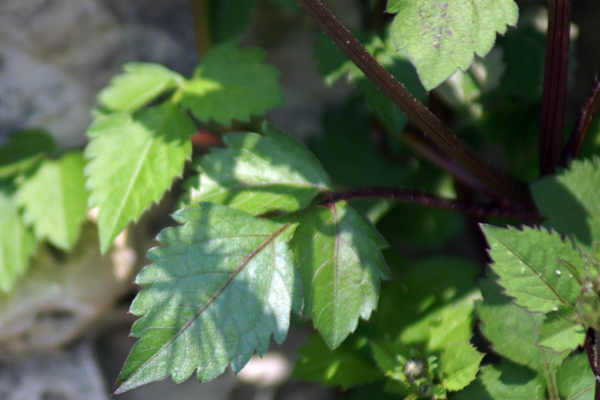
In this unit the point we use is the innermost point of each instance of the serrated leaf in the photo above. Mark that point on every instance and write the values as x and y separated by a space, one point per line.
232 83
339 257
460 363
570 201
258 173
346 366
560 330
575 378
134 160
55 199
225 283
139 84
514 333
536 267
442 36
506 381
17 242
24 151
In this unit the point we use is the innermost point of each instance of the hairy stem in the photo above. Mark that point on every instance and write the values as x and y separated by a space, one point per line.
420 115
477 210
580 133
556 70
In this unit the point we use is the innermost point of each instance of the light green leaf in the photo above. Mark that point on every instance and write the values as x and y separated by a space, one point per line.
225 283
134 160
139 84
514 333
560 330
17 242
24 151
232 83
460 363
506 381
55 199
575 378
338 253
347 366
536 267
570 201
258 174
443 35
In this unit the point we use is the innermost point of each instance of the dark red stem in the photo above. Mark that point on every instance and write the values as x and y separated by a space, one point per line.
580 133
556 71
477 210
421 116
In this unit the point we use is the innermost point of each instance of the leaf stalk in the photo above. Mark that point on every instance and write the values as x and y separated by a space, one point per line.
421 116
582 129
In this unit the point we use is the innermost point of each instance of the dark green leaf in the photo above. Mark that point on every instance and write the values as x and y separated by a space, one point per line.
258 173
442 36
134 160
24 151
338 252
232 83
536 267
55 199
139 84
346 366
229 18
225 283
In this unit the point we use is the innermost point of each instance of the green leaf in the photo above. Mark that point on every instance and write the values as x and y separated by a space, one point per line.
232 83
55 199
338 253
139 84
134 159
17 242
560 330
460 363
514 333
506 381
575 378
334 65
258 174
442 36
346 366
570 201
536 267
229 18
24 151
225 283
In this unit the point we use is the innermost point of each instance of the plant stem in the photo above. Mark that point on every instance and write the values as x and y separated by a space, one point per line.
477 210
420 115
201 18
581 130
597 366
556 71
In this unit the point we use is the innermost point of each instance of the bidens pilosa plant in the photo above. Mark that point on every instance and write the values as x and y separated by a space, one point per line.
268 228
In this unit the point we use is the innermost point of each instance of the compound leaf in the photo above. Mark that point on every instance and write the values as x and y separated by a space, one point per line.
460 363
443 35
134 159
536 267
570 201
17 242
232 83
338 252
55 199
139 84
258 173
225 282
